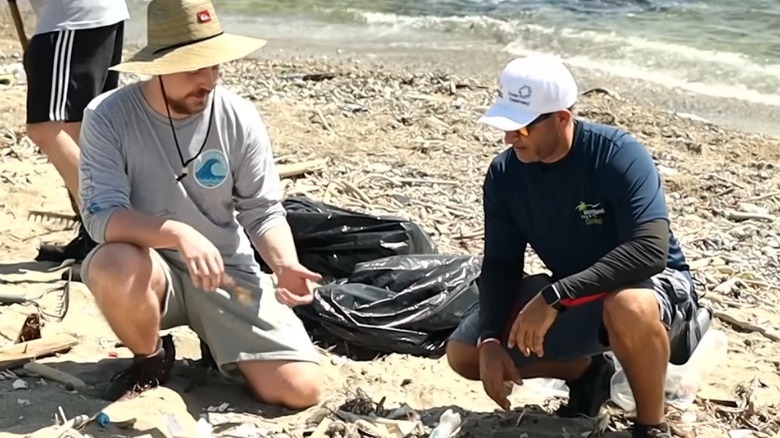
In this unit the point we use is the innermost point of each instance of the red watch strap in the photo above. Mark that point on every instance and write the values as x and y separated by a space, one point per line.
571 302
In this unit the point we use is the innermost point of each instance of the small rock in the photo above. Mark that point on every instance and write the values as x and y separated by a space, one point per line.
20 384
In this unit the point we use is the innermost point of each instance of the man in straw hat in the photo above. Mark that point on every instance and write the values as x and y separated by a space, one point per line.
590 202
173 170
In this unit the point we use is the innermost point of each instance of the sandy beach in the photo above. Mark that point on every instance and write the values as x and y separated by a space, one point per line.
396 133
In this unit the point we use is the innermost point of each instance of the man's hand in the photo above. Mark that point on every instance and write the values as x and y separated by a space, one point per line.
531 326
203 259
295 285
495 365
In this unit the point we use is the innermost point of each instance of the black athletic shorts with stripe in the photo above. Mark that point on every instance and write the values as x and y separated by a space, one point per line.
66 69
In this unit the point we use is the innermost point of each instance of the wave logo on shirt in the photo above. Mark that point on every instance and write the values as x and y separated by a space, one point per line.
211 169
592 214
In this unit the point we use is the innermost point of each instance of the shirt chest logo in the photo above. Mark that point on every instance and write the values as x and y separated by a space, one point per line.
211 169
591 214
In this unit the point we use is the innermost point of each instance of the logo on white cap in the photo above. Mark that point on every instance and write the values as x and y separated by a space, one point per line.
529 87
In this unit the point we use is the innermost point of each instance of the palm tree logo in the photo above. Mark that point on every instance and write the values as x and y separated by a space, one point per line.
581 207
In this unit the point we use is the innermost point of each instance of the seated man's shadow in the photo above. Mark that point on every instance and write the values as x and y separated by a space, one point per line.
202 388
206 391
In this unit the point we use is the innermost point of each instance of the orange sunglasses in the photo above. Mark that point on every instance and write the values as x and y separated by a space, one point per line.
524 130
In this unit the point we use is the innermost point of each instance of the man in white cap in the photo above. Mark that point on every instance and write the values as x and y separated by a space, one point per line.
589 201
173 170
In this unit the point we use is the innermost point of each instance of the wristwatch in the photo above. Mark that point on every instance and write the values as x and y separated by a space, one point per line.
552 298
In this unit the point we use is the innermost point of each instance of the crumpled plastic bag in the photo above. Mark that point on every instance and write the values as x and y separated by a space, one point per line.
406 304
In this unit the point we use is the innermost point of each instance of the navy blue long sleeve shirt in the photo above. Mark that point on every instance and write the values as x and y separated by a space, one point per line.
573 213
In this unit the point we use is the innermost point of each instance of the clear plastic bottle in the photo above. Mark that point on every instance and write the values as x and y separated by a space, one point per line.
682 381
449 422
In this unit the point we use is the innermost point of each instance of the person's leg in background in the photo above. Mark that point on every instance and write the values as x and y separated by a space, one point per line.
65 71
47 64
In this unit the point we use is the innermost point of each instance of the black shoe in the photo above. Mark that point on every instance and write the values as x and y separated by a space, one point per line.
206 358
145 373
643 431
591 391
77 249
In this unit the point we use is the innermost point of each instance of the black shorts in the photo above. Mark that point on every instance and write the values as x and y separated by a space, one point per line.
579 331
67 69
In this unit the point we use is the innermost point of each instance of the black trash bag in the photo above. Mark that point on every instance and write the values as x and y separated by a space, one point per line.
406 304
331 241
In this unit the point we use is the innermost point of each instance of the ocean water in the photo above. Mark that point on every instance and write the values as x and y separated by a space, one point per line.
717 48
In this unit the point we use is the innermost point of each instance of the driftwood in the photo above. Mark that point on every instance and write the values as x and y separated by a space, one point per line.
14 355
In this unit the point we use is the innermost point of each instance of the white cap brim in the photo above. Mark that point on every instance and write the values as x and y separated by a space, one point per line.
506 119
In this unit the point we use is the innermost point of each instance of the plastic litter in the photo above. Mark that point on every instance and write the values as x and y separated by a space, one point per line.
405 304
682 381
332 241
449 422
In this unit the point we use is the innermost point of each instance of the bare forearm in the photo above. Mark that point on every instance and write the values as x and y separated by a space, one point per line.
143 230
277 247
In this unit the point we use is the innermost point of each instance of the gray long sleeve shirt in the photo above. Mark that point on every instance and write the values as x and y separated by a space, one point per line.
129 161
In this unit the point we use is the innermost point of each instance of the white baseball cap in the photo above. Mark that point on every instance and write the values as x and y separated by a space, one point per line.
529 87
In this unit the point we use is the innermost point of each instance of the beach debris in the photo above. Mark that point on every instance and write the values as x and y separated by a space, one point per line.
103 420
15 355
603 91
202 428
449 423
297 169
31 329
43 370
19 384
219 408
55 312
360 416
61 219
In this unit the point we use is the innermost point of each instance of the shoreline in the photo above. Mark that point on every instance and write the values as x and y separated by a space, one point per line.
486 66
483 61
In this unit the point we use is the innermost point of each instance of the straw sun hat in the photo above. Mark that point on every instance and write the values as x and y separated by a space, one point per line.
185 35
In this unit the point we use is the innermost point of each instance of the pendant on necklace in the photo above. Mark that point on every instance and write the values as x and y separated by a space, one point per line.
184 170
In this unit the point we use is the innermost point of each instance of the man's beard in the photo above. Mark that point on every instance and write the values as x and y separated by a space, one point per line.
187 107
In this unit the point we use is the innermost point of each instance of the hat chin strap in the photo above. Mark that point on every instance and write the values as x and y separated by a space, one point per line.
184 164
186 43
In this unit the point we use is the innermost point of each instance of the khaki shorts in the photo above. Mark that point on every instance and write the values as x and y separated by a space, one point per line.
234 332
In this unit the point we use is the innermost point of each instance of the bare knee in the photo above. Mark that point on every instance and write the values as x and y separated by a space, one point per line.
463 358
44 134
115 267
294 385
631 312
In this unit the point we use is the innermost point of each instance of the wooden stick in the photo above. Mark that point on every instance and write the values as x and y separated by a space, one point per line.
746 325
295 169
18 23
14 355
